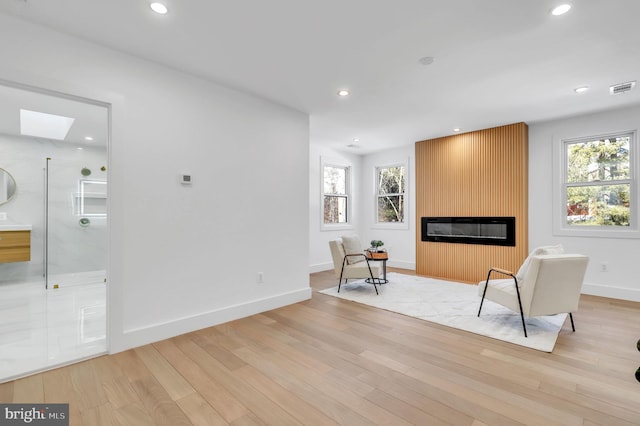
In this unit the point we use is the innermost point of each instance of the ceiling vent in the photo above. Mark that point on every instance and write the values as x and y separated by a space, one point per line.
622 87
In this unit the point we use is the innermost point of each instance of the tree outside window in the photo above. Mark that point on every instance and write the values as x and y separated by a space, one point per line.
598 181
390 182
335 194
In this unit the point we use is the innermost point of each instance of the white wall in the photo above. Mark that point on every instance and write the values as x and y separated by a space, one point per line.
621 280
183 257
73 248
319 255
399 242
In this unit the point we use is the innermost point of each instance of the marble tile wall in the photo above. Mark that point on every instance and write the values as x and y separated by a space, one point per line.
72 248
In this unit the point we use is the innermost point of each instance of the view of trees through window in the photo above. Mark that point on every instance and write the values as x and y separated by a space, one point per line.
391 191
598 181
335 196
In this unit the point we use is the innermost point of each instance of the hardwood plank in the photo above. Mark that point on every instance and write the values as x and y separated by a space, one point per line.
87 388
58 388
262 406
6 392
410 413
219 352
199 411
133 414
288 400
102 415
172 382
216 395
158 404
308 385
119 392
28 389
131 365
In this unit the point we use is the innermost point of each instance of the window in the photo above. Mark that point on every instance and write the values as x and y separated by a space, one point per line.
335 194
598 183
390 188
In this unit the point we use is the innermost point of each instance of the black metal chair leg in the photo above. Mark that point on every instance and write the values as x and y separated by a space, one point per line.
486 284
373 280
515 281
573 327
341 272
520 305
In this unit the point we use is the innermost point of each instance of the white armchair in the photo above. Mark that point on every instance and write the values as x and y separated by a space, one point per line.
550 285
349 261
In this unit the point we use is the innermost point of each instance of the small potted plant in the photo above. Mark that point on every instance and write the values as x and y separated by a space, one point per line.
375 252
375 246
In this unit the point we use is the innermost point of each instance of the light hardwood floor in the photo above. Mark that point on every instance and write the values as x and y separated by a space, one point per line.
329 361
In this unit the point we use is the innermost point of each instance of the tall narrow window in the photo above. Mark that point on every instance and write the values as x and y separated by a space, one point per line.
335 194
390 183
598 183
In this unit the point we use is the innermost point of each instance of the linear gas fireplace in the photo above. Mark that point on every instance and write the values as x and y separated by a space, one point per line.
498 231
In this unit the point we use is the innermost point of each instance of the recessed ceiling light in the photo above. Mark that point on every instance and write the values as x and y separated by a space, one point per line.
456 129
159 8
79 148
356 140
343 93
581 89
42 125
427 60
560 9
88 138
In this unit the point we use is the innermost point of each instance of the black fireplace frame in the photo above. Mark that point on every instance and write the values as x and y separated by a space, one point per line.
509 224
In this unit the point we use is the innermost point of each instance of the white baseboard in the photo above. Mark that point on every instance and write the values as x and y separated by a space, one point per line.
144 335
402 264
319 267
612 292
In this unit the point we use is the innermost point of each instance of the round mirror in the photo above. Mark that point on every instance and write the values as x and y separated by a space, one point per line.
7 186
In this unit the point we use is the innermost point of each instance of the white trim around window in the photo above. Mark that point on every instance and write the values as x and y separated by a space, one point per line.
561 184
340 193
403 194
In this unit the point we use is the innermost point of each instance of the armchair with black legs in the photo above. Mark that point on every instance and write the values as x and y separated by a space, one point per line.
350 262
549 284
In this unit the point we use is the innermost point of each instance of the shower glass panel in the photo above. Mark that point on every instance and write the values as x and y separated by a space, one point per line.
76 228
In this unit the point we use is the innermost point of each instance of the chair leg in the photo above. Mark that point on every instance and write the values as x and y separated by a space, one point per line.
573 327
486 284
520 305
373 280
341 272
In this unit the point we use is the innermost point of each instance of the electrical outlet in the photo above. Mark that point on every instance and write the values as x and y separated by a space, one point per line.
260 277
604 267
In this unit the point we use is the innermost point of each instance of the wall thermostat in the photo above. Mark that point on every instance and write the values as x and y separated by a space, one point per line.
185 179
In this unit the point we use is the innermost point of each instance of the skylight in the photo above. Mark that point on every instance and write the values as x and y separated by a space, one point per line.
42 125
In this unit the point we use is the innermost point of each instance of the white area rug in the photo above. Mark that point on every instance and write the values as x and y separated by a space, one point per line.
454 305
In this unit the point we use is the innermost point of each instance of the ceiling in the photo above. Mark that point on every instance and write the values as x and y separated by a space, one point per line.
495 61
90 121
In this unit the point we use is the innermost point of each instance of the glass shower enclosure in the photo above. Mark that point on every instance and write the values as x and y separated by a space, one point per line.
53 303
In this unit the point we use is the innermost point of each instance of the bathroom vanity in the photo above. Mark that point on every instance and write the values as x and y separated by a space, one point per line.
15 243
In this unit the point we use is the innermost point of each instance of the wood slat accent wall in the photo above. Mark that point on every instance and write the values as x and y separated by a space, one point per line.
482 173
